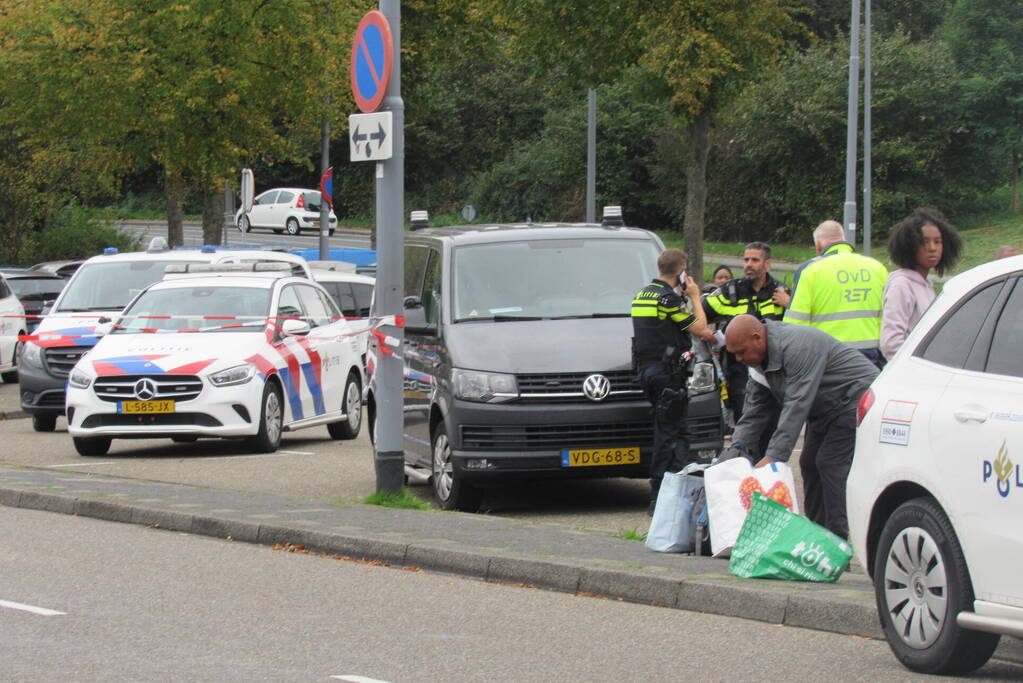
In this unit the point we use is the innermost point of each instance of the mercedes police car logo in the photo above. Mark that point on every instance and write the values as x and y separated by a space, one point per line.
596 387
145 389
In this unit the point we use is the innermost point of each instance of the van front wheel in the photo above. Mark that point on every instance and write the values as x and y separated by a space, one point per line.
451 489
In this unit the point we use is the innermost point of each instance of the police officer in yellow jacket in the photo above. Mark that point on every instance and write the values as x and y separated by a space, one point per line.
840 292
757 294
660 347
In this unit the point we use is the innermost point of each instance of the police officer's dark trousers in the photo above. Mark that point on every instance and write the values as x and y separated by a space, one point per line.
824 463
671 445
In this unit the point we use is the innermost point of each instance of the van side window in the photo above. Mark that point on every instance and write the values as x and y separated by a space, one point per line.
431 289
415 267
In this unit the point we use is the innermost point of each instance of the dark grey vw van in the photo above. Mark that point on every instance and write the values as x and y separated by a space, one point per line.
518 357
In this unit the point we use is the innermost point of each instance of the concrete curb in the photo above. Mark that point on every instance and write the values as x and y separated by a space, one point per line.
13 415
836 611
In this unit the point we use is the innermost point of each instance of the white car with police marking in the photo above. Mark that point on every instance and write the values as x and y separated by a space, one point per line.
935 493
219 355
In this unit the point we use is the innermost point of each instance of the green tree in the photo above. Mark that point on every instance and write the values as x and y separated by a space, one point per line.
701 51
987 40
201 87
778 166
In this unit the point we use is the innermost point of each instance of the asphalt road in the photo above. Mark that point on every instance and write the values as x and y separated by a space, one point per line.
88 600
309 463
146 230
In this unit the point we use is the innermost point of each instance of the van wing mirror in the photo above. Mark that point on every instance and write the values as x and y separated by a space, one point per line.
415 321
412 302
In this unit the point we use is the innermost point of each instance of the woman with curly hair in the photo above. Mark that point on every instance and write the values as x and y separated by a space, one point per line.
922 241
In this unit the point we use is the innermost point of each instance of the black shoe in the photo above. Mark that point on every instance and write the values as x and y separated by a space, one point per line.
650 510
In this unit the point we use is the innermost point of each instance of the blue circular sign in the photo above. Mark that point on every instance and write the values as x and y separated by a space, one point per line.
372 61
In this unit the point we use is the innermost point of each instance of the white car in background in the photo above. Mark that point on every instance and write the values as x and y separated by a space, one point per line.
12 323
229 355
284 209
935 493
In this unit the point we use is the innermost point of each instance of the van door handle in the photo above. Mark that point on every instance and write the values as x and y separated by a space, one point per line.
970 416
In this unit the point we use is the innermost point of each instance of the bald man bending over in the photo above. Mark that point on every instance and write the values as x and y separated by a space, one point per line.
814 379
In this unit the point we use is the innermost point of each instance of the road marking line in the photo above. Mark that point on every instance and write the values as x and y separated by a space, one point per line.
42 611
80 464
297 452
353 678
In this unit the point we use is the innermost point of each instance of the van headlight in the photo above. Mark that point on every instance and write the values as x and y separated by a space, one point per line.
78 379
702 378
238 374
484 387
31 354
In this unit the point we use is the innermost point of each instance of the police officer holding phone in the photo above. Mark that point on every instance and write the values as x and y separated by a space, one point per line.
660 348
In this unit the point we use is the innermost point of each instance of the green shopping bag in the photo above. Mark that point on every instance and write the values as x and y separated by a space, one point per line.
776 543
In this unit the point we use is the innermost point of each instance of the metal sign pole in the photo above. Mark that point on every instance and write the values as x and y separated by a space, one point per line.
591 158
849 215
324 165
868 131
390 211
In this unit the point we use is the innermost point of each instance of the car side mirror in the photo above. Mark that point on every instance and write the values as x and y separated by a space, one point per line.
415 321
103 329
295 328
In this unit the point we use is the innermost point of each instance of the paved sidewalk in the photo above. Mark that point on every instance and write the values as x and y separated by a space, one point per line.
493 549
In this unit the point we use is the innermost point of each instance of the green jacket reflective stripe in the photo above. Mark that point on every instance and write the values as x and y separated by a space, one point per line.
736 297
840 292
659 321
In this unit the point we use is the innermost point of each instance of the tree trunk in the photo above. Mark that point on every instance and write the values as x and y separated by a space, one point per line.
174 189
1015 181
213 214
697 148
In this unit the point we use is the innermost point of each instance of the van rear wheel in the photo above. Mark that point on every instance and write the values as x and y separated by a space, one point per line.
451 489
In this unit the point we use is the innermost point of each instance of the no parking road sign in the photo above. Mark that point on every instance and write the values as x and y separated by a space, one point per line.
372 61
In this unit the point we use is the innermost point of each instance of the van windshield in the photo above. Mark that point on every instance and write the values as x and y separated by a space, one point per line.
110 286
538 279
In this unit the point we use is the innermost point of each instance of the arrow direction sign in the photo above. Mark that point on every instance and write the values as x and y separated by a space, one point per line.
370 146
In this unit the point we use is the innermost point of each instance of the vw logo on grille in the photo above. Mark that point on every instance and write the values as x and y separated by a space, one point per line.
145 389
596 387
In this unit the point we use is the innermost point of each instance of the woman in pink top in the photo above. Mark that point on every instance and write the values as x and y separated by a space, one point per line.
921 241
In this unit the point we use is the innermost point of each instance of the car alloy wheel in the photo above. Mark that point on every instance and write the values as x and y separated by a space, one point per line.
916 587
451 489
243 224
349 427
271 421
291 226
921 584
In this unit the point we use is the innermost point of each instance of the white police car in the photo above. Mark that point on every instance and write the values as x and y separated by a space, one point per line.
226 355
935 494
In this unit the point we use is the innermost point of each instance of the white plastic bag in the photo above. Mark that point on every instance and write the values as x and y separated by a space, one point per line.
671 529
730 486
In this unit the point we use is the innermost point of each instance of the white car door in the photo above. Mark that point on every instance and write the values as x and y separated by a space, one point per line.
261 215
281 209
332 344
977 433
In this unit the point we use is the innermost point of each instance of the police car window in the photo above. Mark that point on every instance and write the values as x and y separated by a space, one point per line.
332 309
363 299
289 305
265 198
284 198
951 343
1004 357
342 293
318 312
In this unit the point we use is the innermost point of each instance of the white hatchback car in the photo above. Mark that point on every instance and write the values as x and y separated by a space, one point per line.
226 355
935 494
281 209
12 323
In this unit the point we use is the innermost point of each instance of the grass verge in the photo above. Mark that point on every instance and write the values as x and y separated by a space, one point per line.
632 535
404 499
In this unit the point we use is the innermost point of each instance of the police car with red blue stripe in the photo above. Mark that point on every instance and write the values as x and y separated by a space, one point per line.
214 352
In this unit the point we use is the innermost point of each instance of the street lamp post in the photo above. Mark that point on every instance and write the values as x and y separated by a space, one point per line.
849 215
